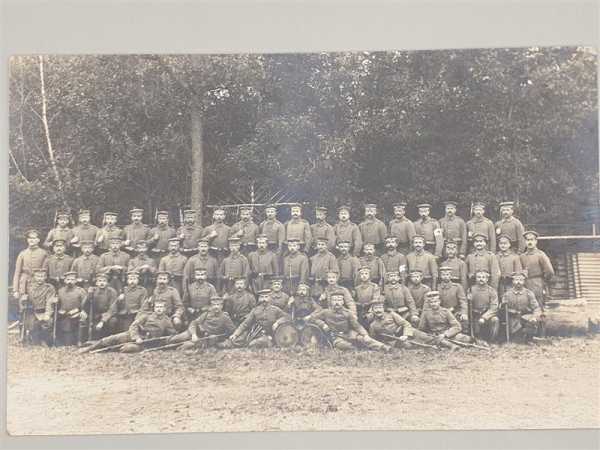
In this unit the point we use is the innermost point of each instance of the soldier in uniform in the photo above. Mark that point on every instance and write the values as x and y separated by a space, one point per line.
333 286
108 231
160 236
370 259
509 263
417 289
246 230
87 265
153 325
174 263
190 233
202 260
388 323
263 264
459 267
115 263
479 224
365 292
348 265
30 259
273 229
372 230
343 327
38 301
424 261
295 267
213 321
197 296
453 297
320 264
61 231
402 228
126 308
321 229
426 227
233 266
481 258
83 231
484 307
71 317
298 229
454 227
399 299
524 312
265 317
98 306
278 297
440 323
511 226
240 302
538 266
174 308
218 235
144 265
302 303
347 231
392 259
136 231
58 263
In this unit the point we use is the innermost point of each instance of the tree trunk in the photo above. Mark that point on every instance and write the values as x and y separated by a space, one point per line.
568 317
197 199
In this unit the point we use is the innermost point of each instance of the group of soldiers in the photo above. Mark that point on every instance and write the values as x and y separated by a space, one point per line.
430 283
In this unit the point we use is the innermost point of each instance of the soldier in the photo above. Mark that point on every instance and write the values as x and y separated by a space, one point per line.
399 299
233 266
479 224
509 263
440 323
190 233
372 230
424 261
174 263
366 291
459 267
61 231
160 236
374 262
125 309
524 313
83 231
30 259
295 267
58 263
174 308
347 231
511 226
417 289
264 318
108 231
38 301
87 265
426 227
246 230
278 297
321 229
388 323
342 327
263 263
201 260
538 266
454 227
453 297
153 325
348 266
115 264
99 306
144 265
218 235
298 229
136 231
71 317
320 264
402 228
302 303
333 286
211 322
484 308
392 259
240 302
481 258
197 296
273 229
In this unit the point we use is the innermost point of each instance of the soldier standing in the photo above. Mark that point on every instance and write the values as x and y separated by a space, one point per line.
197 296
273 229
484 307
83 231
511 226
58 263
233 266
440 323
246 230
348 266
399 299
372 230
426 227
239 302
321 229
278 297
454 227
374 262
61 231
39 301
392 259
174 263
295 267
125 309
136 231
479 224
263 263
190 233
424 261
30 259
108 231
218 235
99 301
459 267
417 289
201 260
87 265
402 228
160 236
453 297
538 266
320 264
71 318
115 263
509 263
524 313
144 265
481 258
347 231
298 229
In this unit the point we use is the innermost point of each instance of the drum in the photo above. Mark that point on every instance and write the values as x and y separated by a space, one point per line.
286 335
313 335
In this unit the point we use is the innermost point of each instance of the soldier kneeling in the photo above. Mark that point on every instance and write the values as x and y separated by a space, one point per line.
522 309
484 307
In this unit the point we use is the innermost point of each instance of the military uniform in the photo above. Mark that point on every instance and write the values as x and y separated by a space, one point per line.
59 234
147 326
454 227
539 271
86 268
513 228
426 228
28 260
349 303
302 306
348 266
522 308
232 267
320 265
238 305
373 231
376 266
280 299
104 304
71 300
197 298
146 274
426 263
441 322
248 232
348 231
265 316
392 324
116 276
174 264
135 232
482 226
365 293
173 305
295 270
105 235
418 294
299 229
208 262
190 235
459 271
219 244
263 265
399 300
394 261
57 267
123 311
404 230
323 230
84 232
39 304
486 260
454 299
274 230
209 323
484 305
160 236
508 262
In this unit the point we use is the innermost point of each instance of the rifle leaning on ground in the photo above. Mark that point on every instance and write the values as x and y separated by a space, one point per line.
470 314
23 319
465 344
178 344
412 342
117 346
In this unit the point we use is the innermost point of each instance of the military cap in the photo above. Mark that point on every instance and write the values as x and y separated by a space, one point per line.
219 208
391 238
504 236
116 238
322 239
203 240
343 241
451 241
174 239
92 243
110 213
424 205
363 268
303 285
338 293
295 205
482 271
432 294
478 204
321 208
216 299
136 210
370 244
63 213
264 292
58 241
333 271
141 243
234 240
245 208
189 212
163 272
159 301
84 212
133 272
379 300
162 213
262 236
531 232
418 236
200 269
400 204
451 203
32 233
370 205
519 273
343 207
392 272
276 279
102 275
415 271
70 272
507 204
479 235
39 270
271 206
239 278
293 241
445 269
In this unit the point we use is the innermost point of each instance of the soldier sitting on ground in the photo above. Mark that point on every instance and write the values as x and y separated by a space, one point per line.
440 324
125 309
302 304
174 308
36 308
484 307
524 312
240 302
417 289
399 299
198 294
71 317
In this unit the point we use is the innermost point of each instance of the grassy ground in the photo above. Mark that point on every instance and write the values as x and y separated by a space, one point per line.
56 391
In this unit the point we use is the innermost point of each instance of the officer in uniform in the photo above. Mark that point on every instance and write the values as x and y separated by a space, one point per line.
426 227
61 232
484 307
481 258
174 308
372 230
246 230
454 227
524 312
348 265
87 265
233 266
190 233
479 224
239 302
320 264
160 236
71 299
144 265
263 263
402 228
58 263
83 231
511 226
347 231
273 229
440 324
453 297
197 296
459 267
136 231
97 306
509 263
417 288
295 267
399 299
538 266
174 263
424 261
202 260
218 235
322 229
298 229
30 259
123 312
392 259
38 301
108 231
115 263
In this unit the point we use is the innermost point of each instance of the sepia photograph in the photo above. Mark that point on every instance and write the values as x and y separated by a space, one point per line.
326 241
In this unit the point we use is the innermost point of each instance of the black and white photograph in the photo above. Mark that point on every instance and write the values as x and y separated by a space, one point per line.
321 241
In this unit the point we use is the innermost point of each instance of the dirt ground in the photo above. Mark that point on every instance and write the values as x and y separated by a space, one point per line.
56 391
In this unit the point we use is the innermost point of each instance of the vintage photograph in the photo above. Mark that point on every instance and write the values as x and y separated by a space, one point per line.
382 240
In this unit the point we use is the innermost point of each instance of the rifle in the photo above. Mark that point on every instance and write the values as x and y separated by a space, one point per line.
54 324
470 314
91 317
177 344
23 319
413 342
464 344
254 332
506 318
117 346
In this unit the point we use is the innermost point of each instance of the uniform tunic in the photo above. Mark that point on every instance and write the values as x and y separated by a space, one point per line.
295 270
238 305
40 298
135 232
106 233
539 269
438 322
58 266
264 315
377 267
164 233
455 228
373 231
66 234
349 303
132 303
118 258
299 229
198 296
275 232
27 261
169 295
234 266
191 235
453 298
86 267
323 230
509 262
390 324
394 262
340 321
365 294
198 261
87 232
486 260
149 326
250 231
174 264
348 266
262 263
303 306
69 298
521 304
514 229
418 293
425 262
426 228
280 299
220 241
484 226
459 271
104 301
398 296
484 301
348 231
404 230
213 323
320 264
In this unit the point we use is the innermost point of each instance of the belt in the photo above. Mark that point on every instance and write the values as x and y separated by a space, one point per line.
217 249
